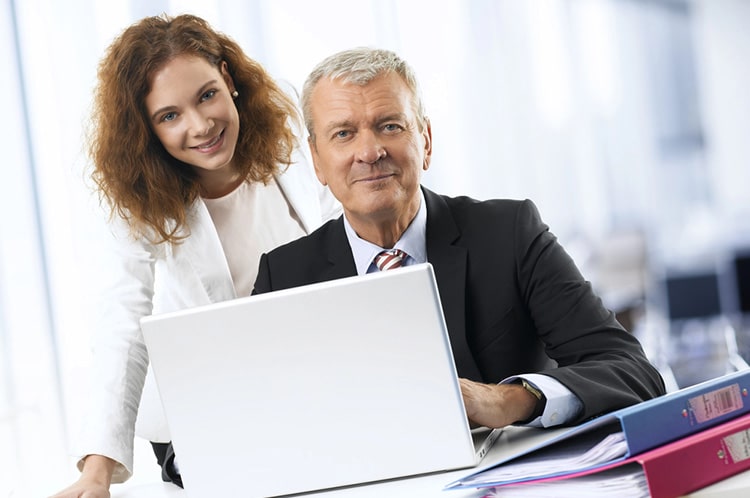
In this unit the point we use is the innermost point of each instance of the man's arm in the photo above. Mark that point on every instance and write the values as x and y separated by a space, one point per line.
497 405
597 359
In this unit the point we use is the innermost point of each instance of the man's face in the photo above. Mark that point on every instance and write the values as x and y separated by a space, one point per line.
368 148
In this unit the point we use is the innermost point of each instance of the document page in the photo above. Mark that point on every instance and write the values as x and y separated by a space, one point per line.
628 480
569 456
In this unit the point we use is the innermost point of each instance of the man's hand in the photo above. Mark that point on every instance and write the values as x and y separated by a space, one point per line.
496 405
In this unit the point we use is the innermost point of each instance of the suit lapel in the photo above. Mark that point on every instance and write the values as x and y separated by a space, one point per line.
449 262
339 253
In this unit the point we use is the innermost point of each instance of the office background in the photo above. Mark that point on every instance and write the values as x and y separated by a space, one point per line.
624 120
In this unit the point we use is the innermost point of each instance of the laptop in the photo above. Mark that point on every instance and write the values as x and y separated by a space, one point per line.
313 388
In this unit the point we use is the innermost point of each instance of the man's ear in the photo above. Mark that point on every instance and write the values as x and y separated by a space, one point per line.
315 159
427 136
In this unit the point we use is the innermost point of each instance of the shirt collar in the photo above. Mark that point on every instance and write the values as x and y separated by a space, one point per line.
413 241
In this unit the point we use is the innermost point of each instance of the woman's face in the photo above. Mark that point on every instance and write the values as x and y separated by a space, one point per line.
191 110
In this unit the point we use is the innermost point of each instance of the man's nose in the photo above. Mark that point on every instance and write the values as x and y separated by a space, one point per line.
369 149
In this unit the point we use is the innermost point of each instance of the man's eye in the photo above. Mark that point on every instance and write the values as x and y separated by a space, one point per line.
342 134
391 127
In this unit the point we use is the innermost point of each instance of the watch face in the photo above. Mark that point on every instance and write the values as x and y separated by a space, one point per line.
533 390
541 400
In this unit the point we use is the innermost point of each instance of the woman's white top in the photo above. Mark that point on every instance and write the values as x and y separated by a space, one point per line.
216 262
248 224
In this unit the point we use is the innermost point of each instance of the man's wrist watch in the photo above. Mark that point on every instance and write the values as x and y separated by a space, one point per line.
541 399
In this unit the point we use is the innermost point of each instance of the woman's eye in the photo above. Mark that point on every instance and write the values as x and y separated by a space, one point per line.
209 94
170 116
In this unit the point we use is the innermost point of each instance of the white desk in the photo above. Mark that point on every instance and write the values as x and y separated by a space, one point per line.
512 440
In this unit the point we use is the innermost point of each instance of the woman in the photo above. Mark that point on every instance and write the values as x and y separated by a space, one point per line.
194 149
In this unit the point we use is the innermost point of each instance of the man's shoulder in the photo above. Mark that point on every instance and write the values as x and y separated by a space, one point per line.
469 206
467 202
473 217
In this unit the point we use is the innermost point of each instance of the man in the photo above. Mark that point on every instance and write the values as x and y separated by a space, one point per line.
509 291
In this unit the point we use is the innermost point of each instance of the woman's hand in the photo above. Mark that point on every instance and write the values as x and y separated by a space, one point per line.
95 479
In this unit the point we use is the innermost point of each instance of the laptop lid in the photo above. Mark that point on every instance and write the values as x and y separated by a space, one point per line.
321 386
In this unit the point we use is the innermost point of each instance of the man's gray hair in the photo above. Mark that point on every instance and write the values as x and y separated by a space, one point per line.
360 66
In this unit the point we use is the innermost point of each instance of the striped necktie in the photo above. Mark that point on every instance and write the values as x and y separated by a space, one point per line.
388 260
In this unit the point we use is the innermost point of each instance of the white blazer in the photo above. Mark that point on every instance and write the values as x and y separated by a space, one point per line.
158 278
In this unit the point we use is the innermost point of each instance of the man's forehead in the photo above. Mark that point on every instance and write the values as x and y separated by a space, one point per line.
377 97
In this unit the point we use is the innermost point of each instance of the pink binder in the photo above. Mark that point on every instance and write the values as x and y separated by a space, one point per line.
671 470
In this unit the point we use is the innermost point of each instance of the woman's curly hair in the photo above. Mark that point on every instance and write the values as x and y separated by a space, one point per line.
141 182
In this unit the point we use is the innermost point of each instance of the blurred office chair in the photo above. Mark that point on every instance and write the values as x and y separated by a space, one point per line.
741 266
738 303
701 341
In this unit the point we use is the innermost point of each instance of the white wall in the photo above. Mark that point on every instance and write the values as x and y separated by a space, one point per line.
723 50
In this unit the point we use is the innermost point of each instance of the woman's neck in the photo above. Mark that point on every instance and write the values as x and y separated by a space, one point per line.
215 184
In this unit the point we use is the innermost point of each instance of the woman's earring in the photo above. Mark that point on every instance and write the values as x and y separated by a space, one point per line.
235 94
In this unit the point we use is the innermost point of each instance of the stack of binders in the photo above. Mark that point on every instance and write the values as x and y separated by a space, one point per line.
661 448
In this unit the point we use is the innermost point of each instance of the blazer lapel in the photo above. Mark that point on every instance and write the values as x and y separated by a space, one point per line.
339 253
203 252
449 262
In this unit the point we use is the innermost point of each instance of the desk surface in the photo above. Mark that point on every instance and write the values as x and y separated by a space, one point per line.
513 439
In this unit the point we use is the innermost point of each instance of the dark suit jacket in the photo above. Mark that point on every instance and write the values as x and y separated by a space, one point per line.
513 299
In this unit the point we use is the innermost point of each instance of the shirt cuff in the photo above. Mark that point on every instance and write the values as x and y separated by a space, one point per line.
562 405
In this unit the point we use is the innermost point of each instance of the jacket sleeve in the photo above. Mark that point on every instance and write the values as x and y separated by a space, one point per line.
119 360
